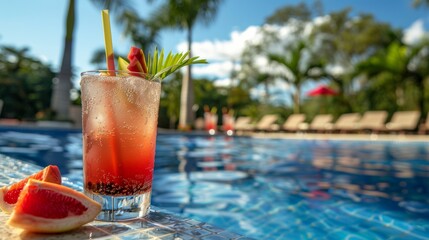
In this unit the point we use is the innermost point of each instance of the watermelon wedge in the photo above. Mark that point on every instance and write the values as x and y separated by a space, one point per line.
135 66
137 55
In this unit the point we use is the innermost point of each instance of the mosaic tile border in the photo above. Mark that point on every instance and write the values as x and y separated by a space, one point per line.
159 224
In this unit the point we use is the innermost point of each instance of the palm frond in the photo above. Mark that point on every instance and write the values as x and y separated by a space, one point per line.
160 67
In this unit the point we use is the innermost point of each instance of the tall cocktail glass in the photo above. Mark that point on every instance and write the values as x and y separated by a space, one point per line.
120 116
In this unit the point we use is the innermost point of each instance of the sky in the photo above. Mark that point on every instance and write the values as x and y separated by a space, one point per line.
39 25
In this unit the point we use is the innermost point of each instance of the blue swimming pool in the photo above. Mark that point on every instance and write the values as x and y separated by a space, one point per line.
270 188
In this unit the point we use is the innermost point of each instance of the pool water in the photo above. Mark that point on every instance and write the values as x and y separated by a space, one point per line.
270 188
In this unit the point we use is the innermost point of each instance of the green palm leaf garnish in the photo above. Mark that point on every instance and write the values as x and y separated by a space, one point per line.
159 66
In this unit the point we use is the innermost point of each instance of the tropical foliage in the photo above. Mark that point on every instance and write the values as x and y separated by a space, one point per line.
60 102
184 15
25 84
366 61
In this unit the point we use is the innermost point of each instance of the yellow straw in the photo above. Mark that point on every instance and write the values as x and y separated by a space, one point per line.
110 59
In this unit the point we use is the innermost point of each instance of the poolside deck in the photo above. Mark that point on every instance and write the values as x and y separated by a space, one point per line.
159 224
276 134
170 230
348 136
316 136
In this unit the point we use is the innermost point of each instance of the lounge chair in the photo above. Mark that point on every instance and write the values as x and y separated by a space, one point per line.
424 127
347 122
320 123
243 124
403 121
267 123
372 121
293 121
199 123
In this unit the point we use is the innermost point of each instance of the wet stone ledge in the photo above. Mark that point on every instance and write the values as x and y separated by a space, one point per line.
159 224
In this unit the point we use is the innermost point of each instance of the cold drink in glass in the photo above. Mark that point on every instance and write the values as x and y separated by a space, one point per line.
120 116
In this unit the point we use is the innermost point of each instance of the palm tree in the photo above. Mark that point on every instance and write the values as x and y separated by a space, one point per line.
391 64
293 63
183 15
142 32
251 74
60 100
401 63
342 48
170 100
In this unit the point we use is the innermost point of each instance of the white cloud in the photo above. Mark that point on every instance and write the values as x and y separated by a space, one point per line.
321 20
214 69
224 55
414 33
257 93
281 84
279 92
231 49
335 69
223 82
224 49
44 58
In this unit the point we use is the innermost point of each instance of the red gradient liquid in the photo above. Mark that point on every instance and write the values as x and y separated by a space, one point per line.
119 134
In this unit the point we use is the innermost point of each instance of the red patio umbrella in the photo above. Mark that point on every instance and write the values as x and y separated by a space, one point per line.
321 91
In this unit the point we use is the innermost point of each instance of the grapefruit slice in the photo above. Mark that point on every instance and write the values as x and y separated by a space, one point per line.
9 194
51 208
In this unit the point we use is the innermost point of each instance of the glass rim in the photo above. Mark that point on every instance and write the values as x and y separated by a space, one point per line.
120 73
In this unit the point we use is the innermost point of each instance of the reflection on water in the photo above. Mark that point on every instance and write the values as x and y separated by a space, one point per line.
395 171
275 188
42 147
271 188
